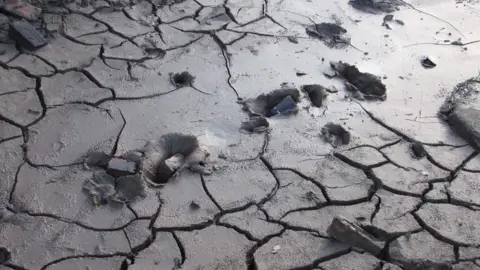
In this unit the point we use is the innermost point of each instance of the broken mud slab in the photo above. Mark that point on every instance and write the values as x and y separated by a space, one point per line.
377 6
155 169
333 35
465 121
335 134
364 85
255 125
280 101
317 94
465 93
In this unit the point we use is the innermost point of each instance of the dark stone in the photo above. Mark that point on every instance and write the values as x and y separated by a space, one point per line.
129 188
418 150
264 103
255 124
330 33
466 122
286 106
316 93
26 35
120 167
194 206
293 39
163 173
182 79
348 232
335 134
375 6
4 255
369 85
428 63
99 159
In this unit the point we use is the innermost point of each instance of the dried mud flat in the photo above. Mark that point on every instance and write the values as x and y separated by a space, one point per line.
104 83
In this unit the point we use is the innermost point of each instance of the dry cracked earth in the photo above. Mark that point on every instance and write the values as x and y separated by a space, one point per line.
103 83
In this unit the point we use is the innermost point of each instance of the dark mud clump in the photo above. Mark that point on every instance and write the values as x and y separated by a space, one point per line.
418 150
255 125
265 103
316 93
333 35
335 134
369 85
182 79
377 6
464 93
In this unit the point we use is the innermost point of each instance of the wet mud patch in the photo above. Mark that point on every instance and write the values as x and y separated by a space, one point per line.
363 85
377 6
333 35
280 101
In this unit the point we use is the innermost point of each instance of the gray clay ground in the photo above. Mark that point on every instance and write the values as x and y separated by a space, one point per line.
100 84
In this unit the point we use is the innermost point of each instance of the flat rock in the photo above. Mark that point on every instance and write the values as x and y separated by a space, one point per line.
295 192
177 197
26 35
253 221
351 234
455 223
296 249
214 247
466 122
249 175
419 248
72 86
65 54
120 167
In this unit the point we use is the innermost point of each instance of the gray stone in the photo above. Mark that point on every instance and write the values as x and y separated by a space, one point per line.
120 167
351 234
26 35
466 122
214 247
420 249
295 249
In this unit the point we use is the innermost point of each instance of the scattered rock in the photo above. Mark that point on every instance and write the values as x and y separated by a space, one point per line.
333 35
345 231
427 62
293 39
465 121
22 9
182 79
316 93
335 134
26 35
255 124
156 152
464 93
369 85
264 103
375 6
120 167
4 255
99 159
418 150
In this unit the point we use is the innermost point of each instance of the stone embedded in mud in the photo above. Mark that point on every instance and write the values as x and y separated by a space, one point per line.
375 6
120 167
264 103
369 85
418 150
347 232
316 93
465 121
285 107
427 62
335 134
333 35
99 159
26 35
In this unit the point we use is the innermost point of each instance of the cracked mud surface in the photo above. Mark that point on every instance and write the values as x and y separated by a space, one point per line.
103 83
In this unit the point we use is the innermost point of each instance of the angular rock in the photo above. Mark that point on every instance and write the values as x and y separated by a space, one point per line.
421 249
120 167
296 249
466 122
26 35
351 234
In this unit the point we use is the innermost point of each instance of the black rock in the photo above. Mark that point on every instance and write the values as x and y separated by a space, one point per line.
99 159
428 63
418 150
120 167
316 93
163 173
4 255
26 35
